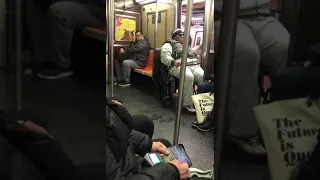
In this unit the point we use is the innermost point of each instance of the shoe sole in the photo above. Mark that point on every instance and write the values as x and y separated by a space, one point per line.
62 75
232 140
124 85
197 173
202 130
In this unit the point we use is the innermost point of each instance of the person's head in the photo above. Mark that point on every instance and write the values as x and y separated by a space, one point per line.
177 35
139 35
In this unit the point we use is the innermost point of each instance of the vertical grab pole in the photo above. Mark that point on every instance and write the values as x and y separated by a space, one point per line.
111 41
206 33
155 30
225 57
182 71
107 46
18 44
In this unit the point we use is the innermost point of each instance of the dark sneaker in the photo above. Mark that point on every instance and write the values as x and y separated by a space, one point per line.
54 73
190 109
124 84
251 145
206 126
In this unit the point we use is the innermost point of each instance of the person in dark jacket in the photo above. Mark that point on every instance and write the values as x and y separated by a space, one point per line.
51 24
135 56
38 145
126 147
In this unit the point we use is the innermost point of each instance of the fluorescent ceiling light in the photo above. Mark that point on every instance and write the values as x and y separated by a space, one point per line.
145 1
195 1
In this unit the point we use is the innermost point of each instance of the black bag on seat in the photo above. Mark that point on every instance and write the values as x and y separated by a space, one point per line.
166 87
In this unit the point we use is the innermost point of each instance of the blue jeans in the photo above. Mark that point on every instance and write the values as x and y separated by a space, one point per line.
205 87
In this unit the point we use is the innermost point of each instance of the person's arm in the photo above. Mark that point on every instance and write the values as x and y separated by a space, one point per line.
166 52
137 47
160 171
141 142
36 144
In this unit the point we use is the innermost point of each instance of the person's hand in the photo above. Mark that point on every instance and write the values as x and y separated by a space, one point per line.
307 64
183 168
121 51
159 147
35 129
178 63
117 102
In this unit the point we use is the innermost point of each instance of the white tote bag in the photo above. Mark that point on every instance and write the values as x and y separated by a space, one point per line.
203 104
289 130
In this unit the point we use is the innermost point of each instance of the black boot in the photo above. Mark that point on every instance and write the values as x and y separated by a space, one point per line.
206 126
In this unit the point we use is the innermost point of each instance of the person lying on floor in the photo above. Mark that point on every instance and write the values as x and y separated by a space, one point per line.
37 145
126 147
208 123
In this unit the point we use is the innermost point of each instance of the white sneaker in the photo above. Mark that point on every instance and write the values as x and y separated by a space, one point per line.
194 172
190 109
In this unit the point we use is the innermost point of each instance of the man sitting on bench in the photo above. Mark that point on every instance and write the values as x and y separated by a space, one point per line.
135 56
171 53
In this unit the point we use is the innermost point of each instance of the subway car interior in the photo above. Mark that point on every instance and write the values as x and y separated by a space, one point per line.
72 108
143 96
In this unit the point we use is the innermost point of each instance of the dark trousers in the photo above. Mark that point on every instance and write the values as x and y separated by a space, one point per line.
295 82
51 26
205 87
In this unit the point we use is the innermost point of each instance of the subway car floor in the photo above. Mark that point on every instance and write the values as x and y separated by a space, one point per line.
199 145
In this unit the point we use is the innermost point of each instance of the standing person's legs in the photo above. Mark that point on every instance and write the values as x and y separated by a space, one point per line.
243 93
127 66
273 41
187 89
63 17
144 124
38 29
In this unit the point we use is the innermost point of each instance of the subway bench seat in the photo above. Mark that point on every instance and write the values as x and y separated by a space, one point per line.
147 71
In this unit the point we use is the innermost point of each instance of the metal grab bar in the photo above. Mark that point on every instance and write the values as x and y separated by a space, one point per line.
207 31
182 72
111 30
225 57
18 47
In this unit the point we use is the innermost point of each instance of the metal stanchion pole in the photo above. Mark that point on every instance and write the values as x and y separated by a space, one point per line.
206 33
111 41
107 46
18 48
225 61
182 71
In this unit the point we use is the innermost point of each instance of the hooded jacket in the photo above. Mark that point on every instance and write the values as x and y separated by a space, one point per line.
126 147
171 51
